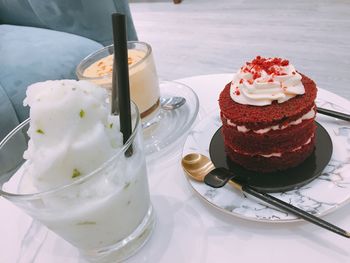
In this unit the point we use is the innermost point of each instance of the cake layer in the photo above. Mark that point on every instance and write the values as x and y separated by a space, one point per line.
274 141
256 118
309 115
263 164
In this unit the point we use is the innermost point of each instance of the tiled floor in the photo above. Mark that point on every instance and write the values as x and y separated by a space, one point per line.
217 36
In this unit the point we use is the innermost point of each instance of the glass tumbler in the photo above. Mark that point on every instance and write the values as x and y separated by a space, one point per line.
144 84
106 214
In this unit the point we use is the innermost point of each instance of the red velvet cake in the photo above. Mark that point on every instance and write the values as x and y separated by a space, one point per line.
268 113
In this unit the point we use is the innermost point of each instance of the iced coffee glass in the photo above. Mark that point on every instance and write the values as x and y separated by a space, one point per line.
106 214
144 86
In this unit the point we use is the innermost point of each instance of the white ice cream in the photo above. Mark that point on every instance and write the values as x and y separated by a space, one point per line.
71 135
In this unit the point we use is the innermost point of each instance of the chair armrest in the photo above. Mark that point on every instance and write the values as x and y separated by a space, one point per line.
88 18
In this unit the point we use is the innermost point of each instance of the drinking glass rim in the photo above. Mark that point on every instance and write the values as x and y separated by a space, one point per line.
80 180
81 76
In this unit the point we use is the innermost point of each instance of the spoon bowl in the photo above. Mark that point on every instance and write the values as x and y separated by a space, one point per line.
197 166
200 168
172 103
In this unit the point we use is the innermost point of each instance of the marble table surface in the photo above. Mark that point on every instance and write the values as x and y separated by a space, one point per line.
191 230
206 37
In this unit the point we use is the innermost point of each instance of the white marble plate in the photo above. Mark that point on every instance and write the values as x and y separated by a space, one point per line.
325 194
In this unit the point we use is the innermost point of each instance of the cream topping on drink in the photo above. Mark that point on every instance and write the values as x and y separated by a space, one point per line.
264 80
104 66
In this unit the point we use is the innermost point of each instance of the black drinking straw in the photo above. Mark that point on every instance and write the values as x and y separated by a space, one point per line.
121 75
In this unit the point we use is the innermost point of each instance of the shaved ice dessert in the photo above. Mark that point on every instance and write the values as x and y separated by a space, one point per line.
71 132
79 181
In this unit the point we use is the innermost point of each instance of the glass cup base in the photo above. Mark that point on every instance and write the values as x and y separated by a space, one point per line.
126 247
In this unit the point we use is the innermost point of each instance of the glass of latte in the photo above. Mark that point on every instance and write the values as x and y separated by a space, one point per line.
144 86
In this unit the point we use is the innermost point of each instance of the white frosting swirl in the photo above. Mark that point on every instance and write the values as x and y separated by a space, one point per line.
263 81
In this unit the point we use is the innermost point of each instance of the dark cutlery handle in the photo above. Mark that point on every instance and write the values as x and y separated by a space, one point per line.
294 210
218 177
336 114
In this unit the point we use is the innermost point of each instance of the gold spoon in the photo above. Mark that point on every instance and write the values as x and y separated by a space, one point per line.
198 167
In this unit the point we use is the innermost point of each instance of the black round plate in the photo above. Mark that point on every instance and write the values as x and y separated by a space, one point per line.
280 181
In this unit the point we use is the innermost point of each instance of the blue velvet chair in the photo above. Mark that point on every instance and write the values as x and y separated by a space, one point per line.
46 39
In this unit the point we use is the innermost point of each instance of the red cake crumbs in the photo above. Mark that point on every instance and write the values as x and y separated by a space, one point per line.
271 66
237 91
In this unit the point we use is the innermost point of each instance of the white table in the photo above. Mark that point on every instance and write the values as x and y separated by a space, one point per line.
190 230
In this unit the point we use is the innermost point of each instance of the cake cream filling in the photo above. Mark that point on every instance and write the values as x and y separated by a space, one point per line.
277 154
241 128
